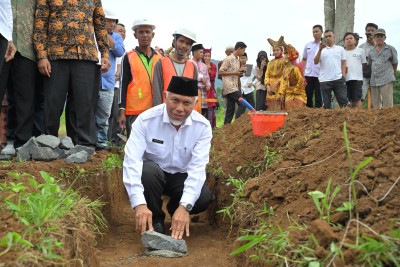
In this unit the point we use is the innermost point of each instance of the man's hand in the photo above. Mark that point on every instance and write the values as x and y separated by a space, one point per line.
322 45
143 218
121 119
44 67
105 64
10 52
180 223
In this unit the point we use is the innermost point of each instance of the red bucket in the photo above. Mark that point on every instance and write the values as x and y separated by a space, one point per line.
265 123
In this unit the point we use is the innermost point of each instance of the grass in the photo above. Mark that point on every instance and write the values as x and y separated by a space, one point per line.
42 209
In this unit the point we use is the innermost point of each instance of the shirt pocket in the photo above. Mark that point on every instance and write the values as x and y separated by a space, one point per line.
155 149
185 154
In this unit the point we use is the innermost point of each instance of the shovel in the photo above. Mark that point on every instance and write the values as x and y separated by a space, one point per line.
122 135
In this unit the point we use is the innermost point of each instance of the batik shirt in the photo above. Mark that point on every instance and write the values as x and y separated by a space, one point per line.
23 18
66 29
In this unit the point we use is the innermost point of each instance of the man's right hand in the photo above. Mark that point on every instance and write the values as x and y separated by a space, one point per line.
44 67
121 119
143 218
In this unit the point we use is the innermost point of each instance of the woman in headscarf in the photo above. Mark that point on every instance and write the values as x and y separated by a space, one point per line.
292 90
212 99
273 75
260 69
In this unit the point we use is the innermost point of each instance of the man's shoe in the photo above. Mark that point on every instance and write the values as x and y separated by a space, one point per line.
102 146
8 150
159 226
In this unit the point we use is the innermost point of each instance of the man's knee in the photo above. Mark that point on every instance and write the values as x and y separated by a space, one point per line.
151 174
204 200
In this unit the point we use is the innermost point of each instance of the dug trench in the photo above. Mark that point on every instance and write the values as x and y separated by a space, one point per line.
279 170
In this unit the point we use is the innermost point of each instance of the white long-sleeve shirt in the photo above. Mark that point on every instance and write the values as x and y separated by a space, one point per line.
6 19
154 138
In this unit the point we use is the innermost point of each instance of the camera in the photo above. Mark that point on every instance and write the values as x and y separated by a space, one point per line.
368 34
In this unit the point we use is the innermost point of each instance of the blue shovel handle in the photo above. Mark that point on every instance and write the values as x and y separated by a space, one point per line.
246 104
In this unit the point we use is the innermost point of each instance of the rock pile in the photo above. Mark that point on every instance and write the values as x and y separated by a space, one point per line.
48 148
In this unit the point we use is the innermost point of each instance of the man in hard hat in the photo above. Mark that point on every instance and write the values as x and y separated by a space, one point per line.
106 92
166 154
174 65
67 58
137 73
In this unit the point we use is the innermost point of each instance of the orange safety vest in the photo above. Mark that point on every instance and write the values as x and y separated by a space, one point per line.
168 70
139 95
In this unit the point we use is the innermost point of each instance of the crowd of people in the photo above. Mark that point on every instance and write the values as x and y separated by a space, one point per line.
70 55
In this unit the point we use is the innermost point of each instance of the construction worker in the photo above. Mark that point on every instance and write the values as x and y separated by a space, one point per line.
137 75
175 65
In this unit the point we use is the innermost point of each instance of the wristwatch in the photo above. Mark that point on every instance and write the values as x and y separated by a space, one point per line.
188 207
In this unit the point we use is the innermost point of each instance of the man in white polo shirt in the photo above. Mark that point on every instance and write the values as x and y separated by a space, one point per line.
332 59
166 154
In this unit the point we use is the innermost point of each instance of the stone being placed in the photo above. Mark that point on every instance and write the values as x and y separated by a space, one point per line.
163 246
66 143
79 157
48 141
44 154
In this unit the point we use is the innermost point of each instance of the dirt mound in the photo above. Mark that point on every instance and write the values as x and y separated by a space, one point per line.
308 151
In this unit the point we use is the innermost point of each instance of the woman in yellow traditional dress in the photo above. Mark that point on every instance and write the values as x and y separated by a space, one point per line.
273 76
292 90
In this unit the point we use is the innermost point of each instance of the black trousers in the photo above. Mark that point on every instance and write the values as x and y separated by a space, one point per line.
25 98
261 96
242 109
3 49
231 100
313 89
156 183
79 80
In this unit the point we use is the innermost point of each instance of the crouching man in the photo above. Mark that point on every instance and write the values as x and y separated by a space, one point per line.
166 154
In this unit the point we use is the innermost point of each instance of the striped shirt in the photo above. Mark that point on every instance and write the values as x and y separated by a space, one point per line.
382 65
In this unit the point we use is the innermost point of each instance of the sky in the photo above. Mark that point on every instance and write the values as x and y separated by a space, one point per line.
218 23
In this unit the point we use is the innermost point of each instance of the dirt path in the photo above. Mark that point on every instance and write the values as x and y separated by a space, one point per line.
207 245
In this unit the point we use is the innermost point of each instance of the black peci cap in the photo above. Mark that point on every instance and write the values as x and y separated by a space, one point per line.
183 86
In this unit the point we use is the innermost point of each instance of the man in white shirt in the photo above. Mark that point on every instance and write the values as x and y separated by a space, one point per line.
355 62
7 48
166 154
332 59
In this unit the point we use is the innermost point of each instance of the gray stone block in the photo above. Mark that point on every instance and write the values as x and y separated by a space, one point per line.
164 253
44 154
48 141
61 152
66 143
78 148
79 157
156 241
24 152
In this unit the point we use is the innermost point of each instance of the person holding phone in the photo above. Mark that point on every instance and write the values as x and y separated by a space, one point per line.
311 72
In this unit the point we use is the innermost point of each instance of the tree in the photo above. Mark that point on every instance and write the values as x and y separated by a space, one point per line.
339 17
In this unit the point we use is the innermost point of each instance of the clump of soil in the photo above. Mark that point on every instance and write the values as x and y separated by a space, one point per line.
310 150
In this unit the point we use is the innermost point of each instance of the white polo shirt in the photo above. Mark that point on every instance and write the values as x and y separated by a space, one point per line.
154 138
331 63
354 60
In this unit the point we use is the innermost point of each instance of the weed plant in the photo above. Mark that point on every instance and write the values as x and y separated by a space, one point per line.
112 161
41 208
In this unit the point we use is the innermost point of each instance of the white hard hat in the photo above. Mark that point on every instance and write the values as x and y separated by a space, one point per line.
185 32
143 22
110 15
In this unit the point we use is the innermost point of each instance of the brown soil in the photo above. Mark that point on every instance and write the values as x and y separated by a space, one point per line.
311 150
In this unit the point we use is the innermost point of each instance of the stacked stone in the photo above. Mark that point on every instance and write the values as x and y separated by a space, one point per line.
49 148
